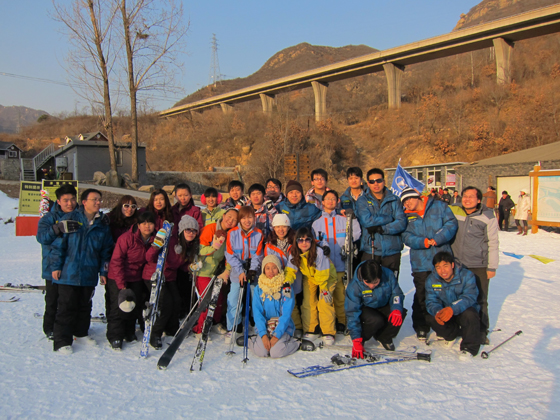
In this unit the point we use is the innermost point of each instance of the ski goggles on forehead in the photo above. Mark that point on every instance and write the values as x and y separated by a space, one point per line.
303 240
130 206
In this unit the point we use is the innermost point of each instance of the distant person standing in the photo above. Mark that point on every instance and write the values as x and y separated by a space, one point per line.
456 199
522 212
490 198
446 197
504 210
476 246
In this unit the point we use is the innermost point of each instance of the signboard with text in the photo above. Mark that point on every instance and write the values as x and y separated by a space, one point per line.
52 185
29 197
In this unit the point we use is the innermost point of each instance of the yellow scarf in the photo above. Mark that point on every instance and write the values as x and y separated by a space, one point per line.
271 287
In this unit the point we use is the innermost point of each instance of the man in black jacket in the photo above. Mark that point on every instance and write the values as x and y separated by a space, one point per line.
504 209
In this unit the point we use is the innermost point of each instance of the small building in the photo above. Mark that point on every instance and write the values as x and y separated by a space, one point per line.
435 175
10 156
509 172
85 154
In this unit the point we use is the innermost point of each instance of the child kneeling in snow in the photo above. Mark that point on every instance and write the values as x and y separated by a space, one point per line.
272 312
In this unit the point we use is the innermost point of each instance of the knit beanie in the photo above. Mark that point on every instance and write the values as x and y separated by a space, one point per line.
271 259
294 185
126 300
281 219
188 222
409 193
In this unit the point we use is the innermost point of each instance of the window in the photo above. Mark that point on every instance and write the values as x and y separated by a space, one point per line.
13 154
420 175
119 157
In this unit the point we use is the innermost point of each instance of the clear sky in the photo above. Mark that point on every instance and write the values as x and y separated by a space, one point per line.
248 33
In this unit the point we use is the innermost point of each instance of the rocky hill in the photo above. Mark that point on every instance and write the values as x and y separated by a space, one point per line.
488 10
13 118
289 61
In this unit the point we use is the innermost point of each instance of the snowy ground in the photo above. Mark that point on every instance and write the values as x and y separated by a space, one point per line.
520 380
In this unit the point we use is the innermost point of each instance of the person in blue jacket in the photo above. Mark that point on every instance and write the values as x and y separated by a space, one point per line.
272 312
51 227
451 301
300 212
78 261
382 219
431 227
374 307
355 190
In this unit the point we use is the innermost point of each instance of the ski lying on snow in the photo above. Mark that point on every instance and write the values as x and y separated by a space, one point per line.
100 318
9 287
339 362
12 299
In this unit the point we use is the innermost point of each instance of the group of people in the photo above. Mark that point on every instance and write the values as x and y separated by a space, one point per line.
288 249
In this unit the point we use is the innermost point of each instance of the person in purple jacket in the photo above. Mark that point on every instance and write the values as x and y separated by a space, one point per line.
125 281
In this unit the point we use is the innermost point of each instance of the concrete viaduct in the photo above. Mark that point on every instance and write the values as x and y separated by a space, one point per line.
500 34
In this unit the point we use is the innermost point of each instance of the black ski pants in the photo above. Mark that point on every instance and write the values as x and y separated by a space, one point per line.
392 262
184 286
467 324
73 315
51 304
169 305
122 324
375 324
419 311
483 285
504 219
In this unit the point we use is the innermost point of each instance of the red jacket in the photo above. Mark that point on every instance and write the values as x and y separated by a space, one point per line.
191 210
173 261
129 258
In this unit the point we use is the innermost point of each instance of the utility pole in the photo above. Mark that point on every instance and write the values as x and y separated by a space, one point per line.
214 76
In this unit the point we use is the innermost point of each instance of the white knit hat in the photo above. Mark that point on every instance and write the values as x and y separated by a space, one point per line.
271 259
281 220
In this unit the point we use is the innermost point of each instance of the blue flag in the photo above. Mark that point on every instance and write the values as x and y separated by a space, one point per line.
403 179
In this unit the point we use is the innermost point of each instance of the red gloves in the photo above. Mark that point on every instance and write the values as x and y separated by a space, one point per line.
358 348
444 315
395 318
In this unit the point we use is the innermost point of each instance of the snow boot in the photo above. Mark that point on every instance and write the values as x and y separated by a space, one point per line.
388 346
525 230
328 340
116 345
156 343
519 230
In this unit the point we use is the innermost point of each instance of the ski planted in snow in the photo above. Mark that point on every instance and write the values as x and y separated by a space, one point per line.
12 299
158 278
185 328
201 347
339 362
348 250
9 287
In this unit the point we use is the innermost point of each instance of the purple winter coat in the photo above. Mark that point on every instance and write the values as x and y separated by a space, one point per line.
191 210
129 258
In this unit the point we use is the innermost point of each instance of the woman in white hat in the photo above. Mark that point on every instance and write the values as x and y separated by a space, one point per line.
522 212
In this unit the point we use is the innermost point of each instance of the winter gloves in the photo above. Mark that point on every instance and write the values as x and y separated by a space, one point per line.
287 290
326 250
395 318
251 276
126 300
66 226
159 240
372 230
444 315
326 296
358 348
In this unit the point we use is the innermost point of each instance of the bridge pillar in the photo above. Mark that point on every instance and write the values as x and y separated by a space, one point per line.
503 50
267 103
226 108
320 92
393 73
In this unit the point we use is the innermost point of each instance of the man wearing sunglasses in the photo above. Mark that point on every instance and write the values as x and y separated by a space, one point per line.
382 218
374 307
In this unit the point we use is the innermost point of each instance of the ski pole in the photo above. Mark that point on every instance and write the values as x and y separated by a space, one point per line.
485 354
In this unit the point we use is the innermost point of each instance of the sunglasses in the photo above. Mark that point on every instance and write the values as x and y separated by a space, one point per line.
130 206
375 181
303 240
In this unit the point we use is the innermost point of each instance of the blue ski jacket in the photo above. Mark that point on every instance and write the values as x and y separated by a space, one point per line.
302 214
460 293
84 255
240 246
347 201
46 236
389 214
438 223
359 295
264 309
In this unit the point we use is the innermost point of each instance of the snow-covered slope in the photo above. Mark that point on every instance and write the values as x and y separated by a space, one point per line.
520 380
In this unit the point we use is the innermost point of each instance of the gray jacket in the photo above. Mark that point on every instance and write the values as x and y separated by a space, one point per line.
476 244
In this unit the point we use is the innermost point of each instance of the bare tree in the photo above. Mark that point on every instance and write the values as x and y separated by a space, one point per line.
88 24
153 34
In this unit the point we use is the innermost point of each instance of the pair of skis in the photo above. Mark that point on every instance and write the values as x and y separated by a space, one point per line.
371 358
158 278
349 250
9 287
10 300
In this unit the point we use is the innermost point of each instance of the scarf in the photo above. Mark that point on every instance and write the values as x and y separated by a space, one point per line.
271 287
282 244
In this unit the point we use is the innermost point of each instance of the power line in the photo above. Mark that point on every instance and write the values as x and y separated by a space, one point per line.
72 85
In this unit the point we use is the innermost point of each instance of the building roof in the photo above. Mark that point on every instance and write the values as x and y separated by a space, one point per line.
429 165
544 153
98 135
92 143
5 145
